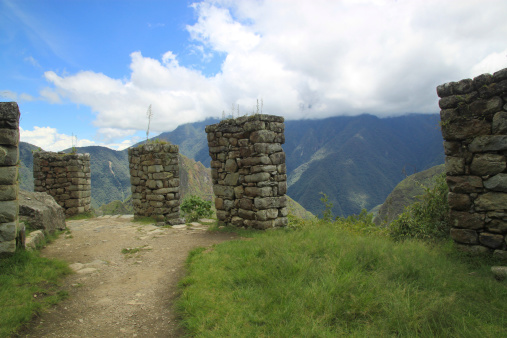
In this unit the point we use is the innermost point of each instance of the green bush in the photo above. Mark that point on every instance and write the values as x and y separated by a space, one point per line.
194 207
427 218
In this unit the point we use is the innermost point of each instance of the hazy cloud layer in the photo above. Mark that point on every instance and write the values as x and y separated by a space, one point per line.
305 59
50 140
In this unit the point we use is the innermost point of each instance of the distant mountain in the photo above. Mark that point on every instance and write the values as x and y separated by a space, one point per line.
405 193
355 160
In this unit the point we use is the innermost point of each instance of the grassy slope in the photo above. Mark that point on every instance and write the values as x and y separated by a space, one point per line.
324 281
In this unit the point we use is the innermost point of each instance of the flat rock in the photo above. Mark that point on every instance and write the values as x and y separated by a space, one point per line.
34 239
500 272
86 271
76 266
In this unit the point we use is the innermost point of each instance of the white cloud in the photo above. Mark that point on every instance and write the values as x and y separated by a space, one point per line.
304 59
50 95
50 140
9 95
26 97
32 61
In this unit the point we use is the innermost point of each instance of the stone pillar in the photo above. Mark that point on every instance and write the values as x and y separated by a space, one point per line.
474 127
248 171
9 156
155 182
66 177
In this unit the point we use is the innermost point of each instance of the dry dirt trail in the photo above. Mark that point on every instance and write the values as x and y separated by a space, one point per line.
113 294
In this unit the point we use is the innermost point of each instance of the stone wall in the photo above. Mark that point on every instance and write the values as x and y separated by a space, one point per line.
66 177
474 127
9 156
155 182
248 171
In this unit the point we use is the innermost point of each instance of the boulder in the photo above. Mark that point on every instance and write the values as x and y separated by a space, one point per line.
40 211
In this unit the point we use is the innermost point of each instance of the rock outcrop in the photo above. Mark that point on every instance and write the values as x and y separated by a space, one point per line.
39 211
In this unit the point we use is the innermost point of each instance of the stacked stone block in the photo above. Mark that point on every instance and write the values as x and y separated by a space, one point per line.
155 182
66 177
9 156
474 127
248 171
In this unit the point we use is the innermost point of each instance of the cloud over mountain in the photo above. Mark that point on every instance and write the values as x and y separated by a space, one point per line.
304 59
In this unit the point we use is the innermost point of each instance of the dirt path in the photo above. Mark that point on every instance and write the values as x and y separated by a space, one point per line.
113 294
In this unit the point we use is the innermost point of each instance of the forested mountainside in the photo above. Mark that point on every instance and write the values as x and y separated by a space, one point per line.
355 160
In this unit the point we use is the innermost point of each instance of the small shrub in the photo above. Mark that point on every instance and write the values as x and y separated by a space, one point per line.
194 207
327 214
427 218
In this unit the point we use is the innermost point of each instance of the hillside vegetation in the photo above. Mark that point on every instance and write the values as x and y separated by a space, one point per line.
407 192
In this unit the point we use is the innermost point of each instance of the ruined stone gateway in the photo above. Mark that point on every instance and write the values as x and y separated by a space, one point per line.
155 182
66 177
474 127
248 171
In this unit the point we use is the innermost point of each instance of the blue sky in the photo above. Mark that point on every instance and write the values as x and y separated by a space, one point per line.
92 68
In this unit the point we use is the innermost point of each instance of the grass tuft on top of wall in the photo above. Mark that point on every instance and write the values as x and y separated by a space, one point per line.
28 284
323 280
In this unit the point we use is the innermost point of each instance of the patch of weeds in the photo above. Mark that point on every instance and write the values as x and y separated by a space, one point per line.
132 251
82 216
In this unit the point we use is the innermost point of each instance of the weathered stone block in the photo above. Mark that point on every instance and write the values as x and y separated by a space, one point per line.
8 211
258 192
8 175
464 236
266 214
270 202
497 183
491 240
459 201
499 125
262 136
467 220
461 130
231 166
9 136
9 115
488 143
231 179
267 148
497 226
239 191
8 192
491 201
223 191
454 165
464 184
8 231
277 158
9 155
253 161
246 214
259 177
487 164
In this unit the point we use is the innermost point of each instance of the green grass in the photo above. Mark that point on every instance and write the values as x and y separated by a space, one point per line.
322 280
81 216
28 285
